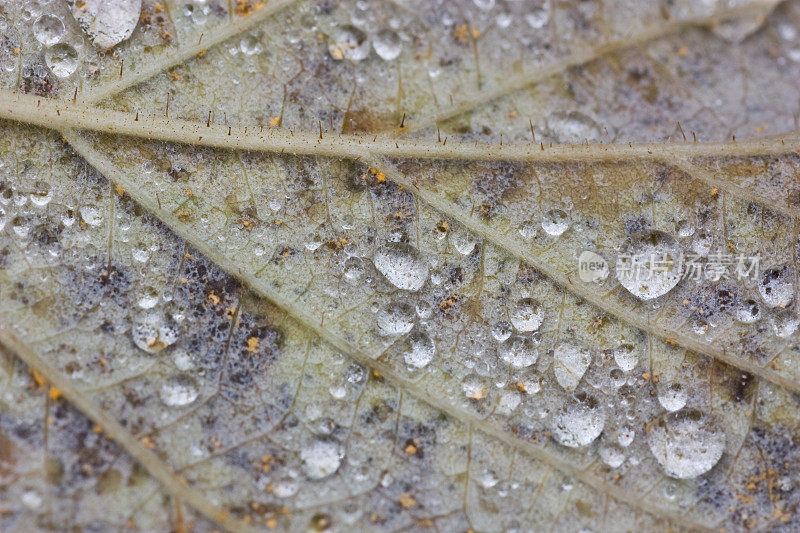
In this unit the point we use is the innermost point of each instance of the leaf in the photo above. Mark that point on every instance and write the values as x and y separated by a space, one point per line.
412 345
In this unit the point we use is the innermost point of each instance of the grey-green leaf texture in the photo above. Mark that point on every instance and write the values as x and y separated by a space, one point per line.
313 265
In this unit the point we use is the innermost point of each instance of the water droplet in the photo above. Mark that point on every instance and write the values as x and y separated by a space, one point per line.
625 436
285 487
353 268
48 29
509 401
527 315
785 322
776 287
651 264
61 59
420 351
748 312
626 357
348 42
686 443
397 318
538 14
402 266
149 299
41 194
672 397
571 362
249 45
387 45
473 387
91 215
179 390
501 331
356 374
612 456
106 22
579 422
321 458
519 351
555 222
463 241
685 228
152 332
31 499
485 5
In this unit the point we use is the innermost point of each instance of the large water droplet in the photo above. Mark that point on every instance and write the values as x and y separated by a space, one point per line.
402 266
48 29
348 42
61 59
387 45
179 390
571 362
519 351
397 318
776 286
527 315
420 351
106 22
651 264
685 443
579 422
321 458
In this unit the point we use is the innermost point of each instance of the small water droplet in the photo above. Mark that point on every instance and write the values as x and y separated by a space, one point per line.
387 45
321 458
91 215
463 241
612 456
152 332
518 352
420 350
527 315
397 318
776 287
785 322
626 357
501 331
555 222
348 42
538 14
285 487
179 390
748 312
249 45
